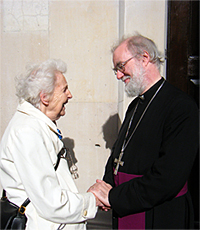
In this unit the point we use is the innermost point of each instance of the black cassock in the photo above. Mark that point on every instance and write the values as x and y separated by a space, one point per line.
150 189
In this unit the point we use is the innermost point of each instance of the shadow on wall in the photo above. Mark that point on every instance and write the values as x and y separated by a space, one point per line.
69 144
110 130
103 220
70 157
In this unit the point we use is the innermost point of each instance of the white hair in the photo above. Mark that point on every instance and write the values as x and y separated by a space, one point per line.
137 44
137 83
38 78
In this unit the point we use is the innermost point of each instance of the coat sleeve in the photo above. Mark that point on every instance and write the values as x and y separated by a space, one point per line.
51 196
168 174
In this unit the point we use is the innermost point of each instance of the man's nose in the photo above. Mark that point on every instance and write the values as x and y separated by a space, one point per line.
119 75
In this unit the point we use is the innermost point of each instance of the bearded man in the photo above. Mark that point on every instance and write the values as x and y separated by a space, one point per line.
145 181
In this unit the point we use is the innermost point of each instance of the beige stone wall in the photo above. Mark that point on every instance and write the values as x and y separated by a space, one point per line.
147 17
80 33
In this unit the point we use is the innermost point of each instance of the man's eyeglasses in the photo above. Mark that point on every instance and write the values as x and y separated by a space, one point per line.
121 66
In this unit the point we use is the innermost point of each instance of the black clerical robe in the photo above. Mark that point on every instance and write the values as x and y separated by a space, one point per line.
150 189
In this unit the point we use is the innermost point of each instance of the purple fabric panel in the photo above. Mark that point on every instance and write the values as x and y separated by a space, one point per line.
183 190
124 177
134 221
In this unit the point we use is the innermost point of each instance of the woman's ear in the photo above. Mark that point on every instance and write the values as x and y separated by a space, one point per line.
44 99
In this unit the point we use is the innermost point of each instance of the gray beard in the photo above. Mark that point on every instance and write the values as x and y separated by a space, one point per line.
136 85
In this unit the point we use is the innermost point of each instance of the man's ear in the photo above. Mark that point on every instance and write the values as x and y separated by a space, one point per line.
44 99
145 58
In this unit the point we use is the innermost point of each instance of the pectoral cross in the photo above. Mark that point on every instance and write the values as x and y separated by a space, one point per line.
119 162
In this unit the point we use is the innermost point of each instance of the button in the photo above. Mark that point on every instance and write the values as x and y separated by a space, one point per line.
85 213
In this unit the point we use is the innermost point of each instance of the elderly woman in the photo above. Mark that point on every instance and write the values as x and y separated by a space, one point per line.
28 153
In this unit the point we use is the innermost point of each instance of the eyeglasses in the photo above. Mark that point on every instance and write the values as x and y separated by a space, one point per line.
121 66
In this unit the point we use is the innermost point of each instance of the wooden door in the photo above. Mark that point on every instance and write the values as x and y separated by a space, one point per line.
183 66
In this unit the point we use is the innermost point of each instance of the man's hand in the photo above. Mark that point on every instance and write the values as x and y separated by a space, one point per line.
101 190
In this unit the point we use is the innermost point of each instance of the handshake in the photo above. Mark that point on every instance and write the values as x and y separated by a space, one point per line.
101 190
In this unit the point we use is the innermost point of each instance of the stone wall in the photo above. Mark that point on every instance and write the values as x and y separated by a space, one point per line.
81 33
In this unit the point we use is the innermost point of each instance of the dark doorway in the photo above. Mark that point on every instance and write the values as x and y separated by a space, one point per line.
183 66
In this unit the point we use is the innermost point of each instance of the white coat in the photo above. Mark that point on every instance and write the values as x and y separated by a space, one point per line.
28 153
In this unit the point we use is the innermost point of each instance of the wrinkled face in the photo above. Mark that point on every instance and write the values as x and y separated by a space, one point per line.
60 97
133 73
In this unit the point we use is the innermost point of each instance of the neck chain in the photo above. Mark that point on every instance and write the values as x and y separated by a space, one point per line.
125 143
67 156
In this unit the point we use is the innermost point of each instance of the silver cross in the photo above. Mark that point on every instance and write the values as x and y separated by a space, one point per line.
119 162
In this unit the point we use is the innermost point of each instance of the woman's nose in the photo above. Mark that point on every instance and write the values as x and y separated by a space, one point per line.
69 95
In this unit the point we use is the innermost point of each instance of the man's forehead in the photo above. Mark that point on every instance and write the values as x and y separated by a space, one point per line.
121 52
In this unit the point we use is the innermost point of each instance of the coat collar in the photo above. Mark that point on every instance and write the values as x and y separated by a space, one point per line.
29 109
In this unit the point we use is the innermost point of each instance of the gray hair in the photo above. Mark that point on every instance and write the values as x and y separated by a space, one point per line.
137 44
38 78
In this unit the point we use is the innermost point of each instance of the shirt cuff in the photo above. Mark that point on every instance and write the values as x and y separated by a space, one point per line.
89 206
